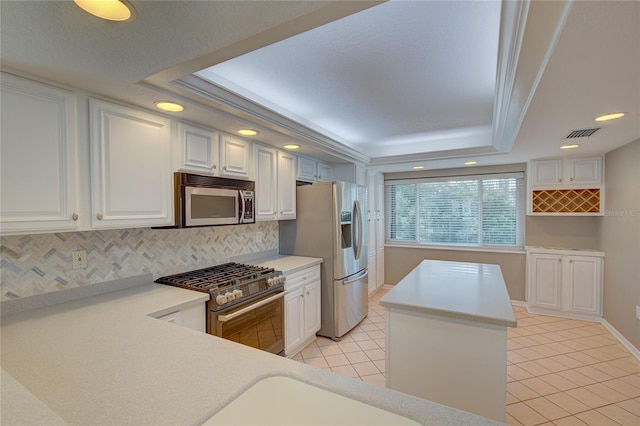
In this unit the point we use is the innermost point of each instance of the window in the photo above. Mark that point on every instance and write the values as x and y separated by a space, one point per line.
485 210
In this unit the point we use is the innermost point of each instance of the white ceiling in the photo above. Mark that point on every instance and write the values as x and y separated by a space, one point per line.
383 79
397 84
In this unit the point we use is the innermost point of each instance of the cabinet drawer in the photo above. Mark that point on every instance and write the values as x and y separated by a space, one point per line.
303 277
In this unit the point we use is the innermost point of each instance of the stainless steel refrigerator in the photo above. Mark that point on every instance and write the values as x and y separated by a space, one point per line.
329 224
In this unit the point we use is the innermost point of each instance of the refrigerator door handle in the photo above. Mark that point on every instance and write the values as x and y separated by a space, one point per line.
359 277
357 246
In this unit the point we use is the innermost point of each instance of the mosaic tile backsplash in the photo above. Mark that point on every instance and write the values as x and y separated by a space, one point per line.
41 263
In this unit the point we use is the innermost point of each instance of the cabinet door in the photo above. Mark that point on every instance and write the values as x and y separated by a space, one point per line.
324 172
379 200
583 285
294 320
585 170
38 154
306 169
545 281
130 168
286 185
373 269
199 149
235 156
266 181
380 268
548 172
311 308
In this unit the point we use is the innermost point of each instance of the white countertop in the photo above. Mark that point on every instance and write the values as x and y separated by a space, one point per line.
104 360
288 264
469 291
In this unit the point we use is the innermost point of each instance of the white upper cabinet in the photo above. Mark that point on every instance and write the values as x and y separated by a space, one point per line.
131 180
275 176
584 171
325 172
311 170
39 159
286 185
198 149
307 169
567 172
265 169
547 172
235 157
354 173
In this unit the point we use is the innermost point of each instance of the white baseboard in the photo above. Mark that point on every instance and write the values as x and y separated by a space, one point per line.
627 344
518 303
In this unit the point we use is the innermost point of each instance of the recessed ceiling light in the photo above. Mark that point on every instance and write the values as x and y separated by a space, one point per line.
470 163
169 106
418 167
247 132
611 116
570 146
111 10
292 146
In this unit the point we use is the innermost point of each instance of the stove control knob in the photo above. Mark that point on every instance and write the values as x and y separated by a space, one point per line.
270 282
230 296
221 299
237 294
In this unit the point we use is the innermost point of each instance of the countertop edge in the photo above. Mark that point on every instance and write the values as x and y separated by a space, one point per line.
504 322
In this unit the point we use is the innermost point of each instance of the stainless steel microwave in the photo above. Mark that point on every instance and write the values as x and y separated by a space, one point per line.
209 200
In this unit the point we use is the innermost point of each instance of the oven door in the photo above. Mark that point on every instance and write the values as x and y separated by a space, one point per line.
259 323
211 206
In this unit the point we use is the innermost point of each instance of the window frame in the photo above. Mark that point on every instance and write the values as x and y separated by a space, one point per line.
520 212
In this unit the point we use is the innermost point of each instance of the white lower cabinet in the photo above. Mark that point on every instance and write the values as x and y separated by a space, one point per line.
193 317
565 283
301 309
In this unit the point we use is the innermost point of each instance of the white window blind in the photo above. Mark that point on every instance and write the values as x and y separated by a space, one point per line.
484 210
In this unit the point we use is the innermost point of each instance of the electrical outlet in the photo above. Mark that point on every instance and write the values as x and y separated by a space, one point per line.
638 312
79 259
258 237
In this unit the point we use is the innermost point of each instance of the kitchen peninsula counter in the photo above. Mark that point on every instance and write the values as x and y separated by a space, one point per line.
446 335
104 359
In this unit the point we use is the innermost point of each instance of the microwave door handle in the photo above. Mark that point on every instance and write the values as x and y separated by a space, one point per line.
242 207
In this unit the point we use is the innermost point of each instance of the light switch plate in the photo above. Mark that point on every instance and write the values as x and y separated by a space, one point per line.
79 259
638 312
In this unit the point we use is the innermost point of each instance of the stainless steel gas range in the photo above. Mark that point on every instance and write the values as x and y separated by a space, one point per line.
246 304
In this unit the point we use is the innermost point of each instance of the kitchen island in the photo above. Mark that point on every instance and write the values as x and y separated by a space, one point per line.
446 335
107 359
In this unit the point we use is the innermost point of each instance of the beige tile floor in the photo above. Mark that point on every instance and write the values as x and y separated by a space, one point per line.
559 371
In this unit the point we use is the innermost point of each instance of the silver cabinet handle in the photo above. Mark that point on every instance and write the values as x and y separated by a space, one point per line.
99 216
215 167
571 179
224 168
560 180
74 216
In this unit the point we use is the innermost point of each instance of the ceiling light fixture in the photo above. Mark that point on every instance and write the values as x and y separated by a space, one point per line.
111 10
292 146
611 116
247 132
570 146
418 167
470 163
169 106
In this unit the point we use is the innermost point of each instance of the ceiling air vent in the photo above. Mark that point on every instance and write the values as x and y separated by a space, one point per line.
582 133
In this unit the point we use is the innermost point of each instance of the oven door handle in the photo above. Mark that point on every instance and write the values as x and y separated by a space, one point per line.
239 312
